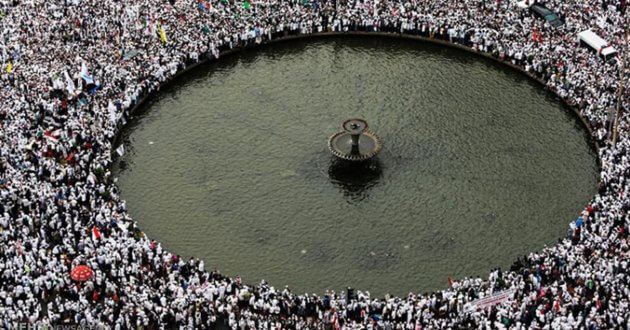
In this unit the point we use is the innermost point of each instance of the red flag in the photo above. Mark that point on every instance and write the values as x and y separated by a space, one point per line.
95 233
50 135
450 281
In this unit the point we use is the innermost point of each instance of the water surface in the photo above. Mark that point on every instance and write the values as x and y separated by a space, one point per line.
480 166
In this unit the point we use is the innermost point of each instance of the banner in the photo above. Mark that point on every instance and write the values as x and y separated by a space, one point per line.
489 301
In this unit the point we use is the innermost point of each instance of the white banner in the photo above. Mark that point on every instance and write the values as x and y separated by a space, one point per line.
491 300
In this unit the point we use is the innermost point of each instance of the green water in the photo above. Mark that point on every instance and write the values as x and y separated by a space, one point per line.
480 166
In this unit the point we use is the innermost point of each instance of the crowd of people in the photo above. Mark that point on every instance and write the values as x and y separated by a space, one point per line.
73 70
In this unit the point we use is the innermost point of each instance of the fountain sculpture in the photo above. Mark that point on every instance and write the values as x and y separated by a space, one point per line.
355 143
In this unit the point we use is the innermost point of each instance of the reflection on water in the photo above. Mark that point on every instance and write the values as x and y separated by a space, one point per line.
355 179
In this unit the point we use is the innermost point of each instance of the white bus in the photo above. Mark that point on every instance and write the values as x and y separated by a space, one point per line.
596 43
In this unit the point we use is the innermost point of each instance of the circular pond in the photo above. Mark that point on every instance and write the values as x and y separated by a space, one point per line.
480 166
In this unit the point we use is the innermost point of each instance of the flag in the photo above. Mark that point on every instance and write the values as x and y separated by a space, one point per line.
69 84
162 34
120 150
86 75
246 5
52 136
95 233
9 67
449 280
88 78
94 88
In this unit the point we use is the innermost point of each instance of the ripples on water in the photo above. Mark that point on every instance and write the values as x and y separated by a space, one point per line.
480 166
